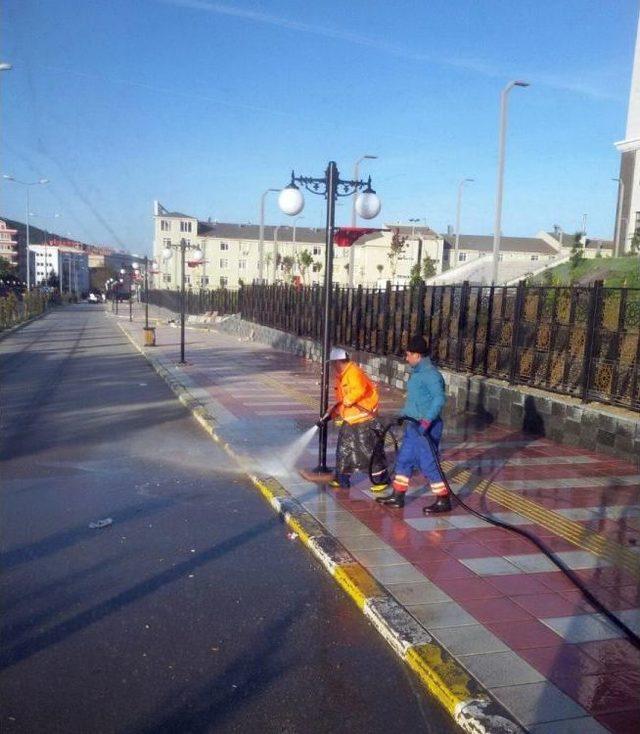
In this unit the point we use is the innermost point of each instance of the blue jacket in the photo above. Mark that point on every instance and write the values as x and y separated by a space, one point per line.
425 392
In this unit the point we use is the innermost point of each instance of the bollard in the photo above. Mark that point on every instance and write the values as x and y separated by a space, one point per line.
149 336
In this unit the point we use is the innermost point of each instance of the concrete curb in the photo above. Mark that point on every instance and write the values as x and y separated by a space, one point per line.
468 703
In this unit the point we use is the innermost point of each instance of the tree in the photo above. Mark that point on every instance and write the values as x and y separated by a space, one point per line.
415 279
7 270
428 267
380 268
396 248
287 265
97 278
576 256
304 261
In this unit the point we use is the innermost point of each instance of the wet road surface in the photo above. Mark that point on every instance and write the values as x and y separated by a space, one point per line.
192 611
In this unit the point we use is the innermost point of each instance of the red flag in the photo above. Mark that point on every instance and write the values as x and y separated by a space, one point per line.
346 236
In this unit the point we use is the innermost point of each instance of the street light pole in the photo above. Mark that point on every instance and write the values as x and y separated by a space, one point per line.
618 250
27 185
458 208
291 201
497 226
276 231
261 243
354 217
183 246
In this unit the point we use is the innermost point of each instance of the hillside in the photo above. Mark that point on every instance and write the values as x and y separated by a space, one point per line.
614 271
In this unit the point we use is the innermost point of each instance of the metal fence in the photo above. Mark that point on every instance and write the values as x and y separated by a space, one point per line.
578 341
223 301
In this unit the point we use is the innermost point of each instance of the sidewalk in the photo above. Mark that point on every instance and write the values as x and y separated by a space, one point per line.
506 615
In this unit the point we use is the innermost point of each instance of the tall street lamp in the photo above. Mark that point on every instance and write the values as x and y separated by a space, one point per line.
415 221
291 202
458 209
276 231
167 254
618 250
261 242
497 225
27 185
354 213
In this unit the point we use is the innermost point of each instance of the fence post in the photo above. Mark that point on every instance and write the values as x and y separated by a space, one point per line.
386 316
422 289
515 331
462 321
590 337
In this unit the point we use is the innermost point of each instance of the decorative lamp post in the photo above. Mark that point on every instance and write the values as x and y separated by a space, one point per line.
167 254
497 225
291 202
27 185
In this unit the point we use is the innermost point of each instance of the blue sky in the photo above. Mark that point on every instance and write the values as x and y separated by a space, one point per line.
204 105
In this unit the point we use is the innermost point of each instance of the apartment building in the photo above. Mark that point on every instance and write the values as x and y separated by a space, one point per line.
69 265
8 245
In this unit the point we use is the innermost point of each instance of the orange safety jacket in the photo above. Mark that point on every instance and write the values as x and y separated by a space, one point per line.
356 394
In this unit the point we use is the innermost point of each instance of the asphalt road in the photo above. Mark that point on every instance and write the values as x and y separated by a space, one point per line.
192 611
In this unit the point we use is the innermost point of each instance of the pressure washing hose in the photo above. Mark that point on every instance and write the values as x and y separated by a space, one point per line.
633 637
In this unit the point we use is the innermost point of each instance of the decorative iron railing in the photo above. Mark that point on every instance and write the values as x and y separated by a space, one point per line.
578 341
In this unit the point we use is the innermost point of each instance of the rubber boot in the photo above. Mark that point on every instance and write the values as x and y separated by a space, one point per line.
442 504
382 481
340 481
396 499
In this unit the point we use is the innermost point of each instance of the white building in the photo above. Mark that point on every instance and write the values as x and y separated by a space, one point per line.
628 210
70 265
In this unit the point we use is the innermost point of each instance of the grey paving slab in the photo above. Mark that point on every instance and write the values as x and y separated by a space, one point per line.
491 566
582 627
429 523
583 725
380 557
442 615
536 703
364 541
532 562
500 669
422 592
471 640
397 574
631 617
582 559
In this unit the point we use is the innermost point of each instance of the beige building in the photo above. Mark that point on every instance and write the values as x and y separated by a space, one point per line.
231 253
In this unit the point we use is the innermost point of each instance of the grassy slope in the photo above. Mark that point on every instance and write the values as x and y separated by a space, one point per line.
615 271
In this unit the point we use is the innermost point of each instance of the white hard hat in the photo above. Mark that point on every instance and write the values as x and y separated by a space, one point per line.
337 354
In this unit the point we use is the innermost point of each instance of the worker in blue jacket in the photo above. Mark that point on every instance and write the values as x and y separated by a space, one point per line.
424 402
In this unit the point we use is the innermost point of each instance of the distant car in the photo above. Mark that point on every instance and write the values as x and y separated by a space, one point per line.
93 298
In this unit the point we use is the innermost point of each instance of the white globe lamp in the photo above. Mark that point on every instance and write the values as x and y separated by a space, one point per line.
167 253
368 204
291 200
197 254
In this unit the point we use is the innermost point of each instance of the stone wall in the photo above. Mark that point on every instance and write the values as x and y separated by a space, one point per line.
560 418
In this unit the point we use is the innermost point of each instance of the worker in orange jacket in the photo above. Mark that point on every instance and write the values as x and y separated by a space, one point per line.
356 411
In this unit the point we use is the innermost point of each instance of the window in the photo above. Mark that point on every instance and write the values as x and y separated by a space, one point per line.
164 225
224 246
185 226
534 257
166 242
242 264
187 279
223 282
637 227
204 280
462 256
224 263
317 250
166 278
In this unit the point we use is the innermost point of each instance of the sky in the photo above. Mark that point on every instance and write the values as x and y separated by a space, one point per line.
204 105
